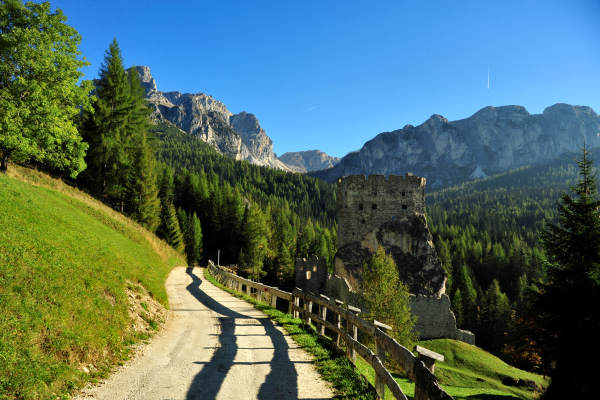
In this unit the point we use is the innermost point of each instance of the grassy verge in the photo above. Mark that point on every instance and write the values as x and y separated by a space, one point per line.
333 366
66 262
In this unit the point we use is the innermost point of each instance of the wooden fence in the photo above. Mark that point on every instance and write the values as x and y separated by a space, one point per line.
345 326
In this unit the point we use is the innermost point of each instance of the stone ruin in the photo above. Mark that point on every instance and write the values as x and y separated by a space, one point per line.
373 212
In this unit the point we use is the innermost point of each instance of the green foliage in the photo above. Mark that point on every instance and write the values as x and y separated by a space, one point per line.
568 302
251 214
386 296
121 164
39 96
169 228
65 261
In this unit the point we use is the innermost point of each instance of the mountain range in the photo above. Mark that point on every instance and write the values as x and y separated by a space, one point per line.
493 140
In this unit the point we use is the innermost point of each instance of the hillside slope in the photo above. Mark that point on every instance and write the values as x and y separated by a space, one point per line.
68 267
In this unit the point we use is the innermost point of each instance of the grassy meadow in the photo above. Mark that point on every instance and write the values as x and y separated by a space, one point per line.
65 263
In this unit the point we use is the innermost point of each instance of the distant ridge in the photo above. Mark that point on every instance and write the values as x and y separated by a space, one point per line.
493 140
307 161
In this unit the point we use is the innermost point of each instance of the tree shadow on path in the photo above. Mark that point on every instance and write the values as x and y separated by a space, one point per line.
282 381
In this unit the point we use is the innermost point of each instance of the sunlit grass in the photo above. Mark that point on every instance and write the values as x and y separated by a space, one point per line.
64 262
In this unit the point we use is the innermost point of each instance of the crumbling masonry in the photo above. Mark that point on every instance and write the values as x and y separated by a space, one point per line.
376 211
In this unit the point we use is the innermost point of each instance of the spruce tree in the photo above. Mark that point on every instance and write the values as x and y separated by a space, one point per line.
143 204
169 228
107 132
567 304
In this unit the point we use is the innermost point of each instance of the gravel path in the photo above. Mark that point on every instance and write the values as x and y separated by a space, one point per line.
214 346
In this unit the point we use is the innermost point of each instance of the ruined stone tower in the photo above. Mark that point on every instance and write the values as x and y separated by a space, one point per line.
389 212
363 204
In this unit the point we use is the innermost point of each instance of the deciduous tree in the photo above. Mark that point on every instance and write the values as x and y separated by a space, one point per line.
40 98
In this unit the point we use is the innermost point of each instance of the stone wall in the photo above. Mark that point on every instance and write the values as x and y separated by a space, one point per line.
363 204
311 274
436 320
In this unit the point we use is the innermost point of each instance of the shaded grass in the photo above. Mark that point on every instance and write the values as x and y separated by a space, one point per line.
333 365
64 262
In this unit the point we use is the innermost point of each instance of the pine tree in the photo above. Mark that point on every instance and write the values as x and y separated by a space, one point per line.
387 297
568 303
106 130
169 228
194 243
143 203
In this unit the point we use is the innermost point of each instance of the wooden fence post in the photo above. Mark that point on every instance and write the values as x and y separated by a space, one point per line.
273 300
323 314
379 382
338 321
352 352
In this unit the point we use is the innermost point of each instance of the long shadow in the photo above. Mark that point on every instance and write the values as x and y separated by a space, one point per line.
208 381
282 381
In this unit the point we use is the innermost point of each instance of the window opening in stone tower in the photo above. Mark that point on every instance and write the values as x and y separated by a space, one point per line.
403 194
360 207
374 206
404 206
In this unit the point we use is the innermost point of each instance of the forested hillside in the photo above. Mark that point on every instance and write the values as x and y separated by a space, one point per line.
487 233
259 218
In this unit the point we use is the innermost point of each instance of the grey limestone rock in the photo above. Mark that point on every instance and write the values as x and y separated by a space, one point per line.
492 140
237 136
310 160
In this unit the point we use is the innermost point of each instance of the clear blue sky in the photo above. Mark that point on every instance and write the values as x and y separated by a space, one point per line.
330 75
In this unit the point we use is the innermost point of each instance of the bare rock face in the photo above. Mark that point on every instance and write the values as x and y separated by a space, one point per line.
492 140
307 161
236 136
387 212
409 241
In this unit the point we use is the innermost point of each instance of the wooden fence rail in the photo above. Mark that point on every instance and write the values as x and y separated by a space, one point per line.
419 369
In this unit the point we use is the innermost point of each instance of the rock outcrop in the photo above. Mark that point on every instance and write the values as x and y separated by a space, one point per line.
307 161
493 140
238 136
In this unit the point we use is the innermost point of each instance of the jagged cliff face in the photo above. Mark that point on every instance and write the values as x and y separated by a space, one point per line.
493 140
238 136
307 161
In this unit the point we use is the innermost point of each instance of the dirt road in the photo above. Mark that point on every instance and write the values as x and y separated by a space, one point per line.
214 347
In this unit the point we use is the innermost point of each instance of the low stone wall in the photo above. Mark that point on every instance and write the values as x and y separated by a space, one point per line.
436 320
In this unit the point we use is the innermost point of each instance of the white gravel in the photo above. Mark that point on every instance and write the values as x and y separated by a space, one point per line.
214 346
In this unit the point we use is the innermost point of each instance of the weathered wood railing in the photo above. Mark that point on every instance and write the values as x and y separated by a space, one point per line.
345 326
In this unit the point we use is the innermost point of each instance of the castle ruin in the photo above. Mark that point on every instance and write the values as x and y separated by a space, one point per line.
389 212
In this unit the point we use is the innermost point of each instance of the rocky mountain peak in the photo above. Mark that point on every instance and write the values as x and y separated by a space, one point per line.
146 80
492 140
310 160
237 136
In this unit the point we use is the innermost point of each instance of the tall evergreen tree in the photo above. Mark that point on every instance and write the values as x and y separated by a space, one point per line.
568 302
107 132
169 228
142 192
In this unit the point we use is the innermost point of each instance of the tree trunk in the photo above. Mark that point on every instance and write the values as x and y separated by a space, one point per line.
3 162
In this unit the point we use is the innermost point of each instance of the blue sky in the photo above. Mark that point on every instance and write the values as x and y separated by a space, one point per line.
330 75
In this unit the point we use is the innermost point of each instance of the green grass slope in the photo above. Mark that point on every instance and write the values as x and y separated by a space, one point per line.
470 373
466 366
65 263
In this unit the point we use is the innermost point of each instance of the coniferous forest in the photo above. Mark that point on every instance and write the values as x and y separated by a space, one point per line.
493 235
